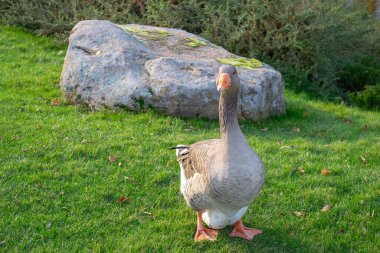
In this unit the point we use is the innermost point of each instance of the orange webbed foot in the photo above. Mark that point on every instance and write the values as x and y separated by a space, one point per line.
205 234
243 232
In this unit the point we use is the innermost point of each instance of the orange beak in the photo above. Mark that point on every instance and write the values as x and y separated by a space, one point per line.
224 81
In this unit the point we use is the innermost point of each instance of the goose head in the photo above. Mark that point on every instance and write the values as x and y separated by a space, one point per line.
228 80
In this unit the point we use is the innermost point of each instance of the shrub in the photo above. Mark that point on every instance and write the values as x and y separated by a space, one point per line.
51 17
369 98
316 38
356 75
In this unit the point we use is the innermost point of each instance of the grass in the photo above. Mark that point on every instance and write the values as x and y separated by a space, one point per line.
60 193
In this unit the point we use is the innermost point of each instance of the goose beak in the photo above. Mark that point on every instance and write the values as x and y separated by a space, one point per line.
224 81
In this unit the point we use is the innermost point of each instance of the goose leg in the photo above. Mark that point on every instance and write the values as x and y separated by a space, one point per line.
204 233
243 232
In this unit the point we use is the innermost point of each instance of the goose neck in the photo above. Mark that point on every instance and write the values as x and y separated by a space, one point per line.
228 118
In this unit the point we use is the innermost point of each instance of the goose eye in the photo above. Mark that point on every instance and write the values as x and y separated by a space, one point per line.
234 73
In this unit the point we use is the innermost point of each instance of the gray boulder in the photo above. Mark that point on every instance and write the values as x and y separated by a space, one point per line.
138 67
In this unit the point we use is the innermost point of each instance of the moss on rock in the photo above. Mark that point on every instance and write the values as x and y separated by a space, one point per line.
150 34
242 62
194 42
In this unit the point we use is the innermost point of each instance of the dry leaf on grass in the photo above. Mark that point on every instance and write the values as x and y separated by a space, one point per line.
298 214
363 159
112 158
325 172
123 200
297 129
301 170
265 129
55 102
129 179
152 216
326 208
347 121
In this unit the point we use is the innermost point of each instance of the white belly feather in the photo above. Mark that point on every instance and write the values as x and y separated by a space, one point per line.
218 219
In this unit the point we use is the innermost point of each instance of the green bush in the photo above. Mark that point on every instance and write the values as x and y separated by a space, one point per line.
369 98
355 76
309 40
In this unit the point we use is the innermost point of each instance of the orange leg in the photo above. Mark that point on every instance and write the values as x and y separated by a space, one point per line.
244 232
204 233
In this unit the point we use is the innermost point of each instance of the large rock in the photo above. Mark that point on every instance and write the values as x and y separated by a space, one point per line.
137 67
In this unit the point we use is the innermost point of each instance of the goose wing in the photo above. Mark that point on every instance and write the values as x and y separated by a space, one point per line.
196 161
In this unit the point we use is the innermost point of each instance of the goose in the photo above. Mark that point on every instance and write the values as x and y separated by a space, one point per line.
221 177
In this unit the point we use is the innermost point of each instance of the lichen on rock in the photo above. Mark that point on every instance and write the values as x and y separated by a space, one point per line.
242 62
194 42
156 34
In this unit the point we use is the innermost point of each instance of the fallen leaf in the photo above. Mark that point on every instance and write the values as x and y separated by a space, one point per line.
265 129
363 159
124 199
15 138
326 208
120 164
55 102
61 193
301 170
129 179
297 129
325 172
365 127
152 216
298 214
48 226
112 158
373 214
2 242
347 121
189 128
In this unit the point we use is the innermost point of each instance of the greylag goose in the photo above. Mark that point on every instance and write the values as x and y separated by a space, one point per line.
221 177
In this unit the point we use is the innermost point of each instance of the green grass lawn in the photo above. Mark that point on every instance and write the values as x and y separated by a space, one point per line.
59 192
